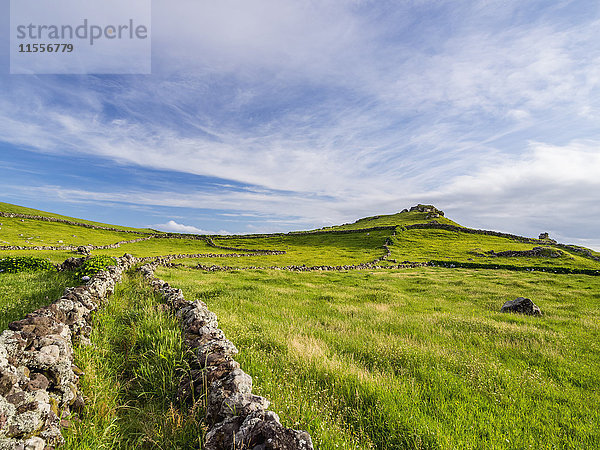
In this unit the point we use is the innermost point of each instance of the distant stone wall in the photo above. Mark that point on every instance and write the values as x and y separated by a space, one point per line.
68 222
236 418
38 380
80 248
167 258
304 268
448 227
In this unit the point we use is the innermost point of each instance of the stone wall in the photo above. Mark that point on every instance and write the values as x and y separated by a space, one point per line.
236 418
38 380
167 258
73 248
68 222
448 227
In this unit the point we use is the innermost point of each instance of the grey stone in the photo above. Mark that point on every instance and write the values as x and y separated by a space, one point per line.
521 305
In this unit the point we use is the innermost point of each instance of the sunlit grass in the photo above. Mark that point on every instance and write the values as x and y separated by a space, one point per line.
10 208
431 244
416 359
131 371
162 247
30 232
22 293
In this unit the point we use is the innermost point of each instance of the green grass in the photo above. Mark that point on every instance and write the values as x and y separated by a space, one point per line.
317 249
416 359
161 247
432 244
54 256
22 293
131 371
383 359
10 208
398 219
31 232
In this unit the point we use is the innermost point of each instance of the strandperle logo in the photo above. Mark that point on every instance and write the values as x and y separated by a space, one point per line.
86 31
80 37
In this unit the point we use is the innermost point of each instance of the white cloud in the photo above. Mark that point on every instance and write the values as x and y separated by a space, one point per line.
174 227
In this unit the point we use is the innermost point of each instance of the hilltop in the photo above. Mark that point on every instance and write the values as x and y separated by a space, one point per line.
416 214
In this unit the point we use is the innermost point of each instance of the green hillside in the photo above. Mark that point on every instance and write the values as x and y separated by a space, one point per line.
15 209
367 338
421 214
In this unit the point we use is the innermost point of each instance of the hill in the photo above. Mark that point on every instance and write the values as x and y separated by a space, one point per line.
384 333
21 210
417 214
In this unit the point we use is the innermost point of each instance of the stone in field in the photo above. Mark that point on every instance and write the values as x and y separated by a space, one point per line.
521 305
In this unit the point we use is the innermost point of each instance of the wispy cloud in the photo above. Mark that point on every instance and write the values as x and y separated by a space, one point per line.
320 112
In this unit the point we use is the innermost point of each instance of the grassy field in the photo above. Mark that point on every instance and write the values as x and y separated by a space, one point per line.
418 358
22 293
30 232
386 359
431 244
161 247
317 249
16 209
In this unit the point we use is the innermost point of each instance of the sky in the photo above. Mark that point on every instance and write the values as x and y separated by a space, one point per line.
279 115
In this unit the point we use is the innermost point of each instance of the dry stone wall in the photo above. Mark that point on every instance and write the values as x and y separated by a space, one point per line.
237 419
68 222
79 248
448 227
38 380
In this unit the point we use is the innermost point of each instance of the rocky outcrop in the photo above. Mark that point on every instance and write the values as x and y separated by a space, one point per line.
521 305
71 264
432 211
38 380
236 418
581 251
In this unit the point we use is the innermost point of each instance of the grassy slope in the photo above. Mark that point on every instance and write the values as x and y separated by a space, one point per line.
10 208
159 247
22 293
30 232
407 218
431 244
416 359
316 249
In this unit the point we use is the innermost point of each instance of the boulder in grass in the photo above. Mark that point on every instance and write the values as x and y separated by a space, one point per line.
72 264
521 305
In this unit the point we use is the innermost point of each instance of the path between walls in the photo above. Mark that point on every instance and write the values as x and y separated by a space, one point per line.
38 378
237 419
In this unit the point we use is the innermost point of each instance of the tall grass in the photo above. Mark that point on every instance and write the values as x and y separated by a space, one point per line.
416 359
22 293
131 372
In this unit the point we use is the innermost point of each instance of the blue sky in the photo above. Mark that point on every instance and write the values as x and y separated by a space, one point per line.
277 115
